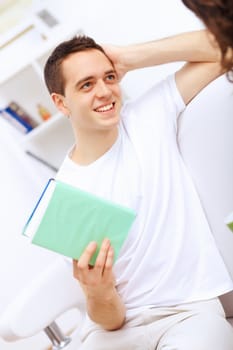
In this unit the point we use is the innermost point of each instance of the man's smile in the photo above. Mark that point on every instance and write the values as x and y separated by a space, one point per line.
105 108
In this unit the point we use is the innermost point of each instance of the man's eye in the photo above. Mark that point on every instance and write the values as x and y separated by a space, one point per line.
85 86
111 77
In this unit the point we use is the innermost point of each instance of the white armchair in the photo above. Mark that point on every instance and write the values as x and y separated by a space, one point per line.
206 142
41 302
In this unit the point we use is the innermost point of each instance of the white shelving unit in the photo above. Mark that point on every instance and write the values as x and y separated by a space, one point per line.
21 80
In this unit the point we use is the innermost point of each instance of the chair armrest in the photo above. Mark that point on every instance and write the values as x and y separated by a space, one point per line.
48 296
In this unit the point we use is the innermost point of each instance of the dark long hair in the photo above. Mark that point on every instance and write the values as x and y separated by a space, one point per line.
217 15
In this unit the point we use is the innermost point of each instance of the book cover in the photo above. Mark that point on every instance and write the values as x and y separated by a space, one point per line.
22 114
14 122
18 118
66 219
229 221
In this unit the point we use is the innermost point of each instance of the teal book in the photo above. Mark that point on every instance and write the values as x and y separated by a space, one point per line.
229 221
66 219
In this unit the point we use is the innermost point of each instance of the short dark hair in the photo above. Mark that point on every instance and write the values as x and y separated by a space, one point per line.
53 74
217 15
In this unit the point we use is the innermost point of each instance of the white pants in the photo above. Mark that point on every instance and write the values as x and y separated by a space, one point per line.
193 326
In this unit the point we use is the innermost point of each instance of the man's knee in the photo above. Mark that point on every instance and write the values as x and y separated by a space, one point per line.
200 332
122 339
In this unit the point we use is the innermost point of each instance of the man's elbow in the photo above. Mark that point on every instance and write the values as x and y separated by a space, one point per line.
115 325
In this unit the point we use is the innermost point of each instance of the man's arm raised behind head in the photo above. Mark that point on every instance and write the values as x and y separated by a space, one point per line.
198 48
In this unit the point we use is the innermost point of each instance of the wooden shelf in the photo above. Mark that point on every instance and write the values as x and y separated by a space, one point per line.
21 81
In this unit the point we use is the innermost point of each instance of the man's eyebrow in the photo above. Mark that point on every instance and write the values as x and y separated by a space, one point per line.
110 71
83 80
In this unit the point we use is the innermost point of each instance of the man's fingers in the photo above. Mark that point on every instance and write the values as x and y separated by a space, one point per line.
84 260
75 268
102 256
104 261
110 259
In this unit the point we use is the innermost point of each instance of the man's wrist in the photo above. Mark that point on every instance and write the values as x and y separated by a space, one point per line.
102 308
101 296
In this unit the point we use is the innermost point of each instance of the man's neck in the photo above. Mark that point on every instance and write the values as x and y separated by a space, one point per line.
91 146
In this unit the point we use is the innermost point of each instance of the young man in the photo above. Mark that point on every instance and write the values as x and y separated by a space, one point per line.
162 291
217 15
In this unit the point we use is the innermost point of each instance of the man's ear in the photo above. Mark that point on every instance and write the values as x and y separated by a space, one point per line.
59 101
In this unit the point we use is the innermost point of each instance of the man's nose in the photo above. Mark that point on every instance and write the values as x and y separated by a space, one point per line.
102 89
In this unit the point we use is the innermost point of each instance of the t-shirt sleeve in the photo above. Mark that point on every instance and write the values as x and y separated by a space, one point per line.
173 96
162 103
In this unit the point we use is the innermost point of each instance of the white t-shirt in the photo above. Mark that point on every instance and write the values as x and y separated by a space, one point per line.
170 256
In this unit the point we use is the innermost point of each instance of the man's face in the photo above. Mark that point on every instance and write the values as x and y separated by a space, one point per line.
92 95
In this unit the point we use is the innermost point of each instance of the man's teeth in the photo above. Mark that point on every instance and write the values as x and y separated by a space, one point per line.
105 108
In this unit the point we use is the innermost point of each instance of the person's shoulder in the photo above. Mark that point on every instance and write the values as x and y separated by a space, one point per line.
153 94
65 167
